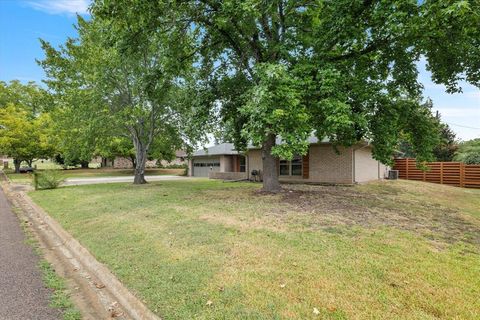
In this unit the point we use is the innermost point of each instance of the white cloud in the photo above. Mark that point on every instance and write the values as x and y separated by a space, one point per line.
68 7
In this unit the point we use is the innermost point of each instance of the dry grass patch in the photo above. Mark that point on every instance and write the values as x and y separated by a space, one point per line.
402 205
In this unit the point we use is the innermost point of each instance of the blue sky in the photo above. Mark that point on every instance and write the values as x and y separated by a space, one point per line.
23 22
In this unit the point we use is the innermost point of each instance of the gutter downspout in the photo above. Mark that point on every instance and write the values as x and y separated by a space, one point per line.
247 159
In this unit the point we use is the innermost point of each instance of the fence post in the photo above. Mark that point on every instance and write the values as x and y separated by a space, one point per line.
462 174
441 172
406 166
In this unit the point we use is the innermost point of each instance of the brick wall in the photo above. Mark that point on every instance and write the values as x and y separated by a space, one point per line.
328 166
125 163
325 166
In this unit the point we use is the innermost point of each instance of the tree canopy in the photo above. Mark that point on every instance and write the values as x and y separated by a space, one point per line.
120 91
444 147
469 152
25 126
24 138
345 70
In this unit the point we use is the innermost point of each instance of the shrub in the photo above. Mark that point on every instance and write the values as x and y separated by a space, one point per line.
48 179
472 158
469 152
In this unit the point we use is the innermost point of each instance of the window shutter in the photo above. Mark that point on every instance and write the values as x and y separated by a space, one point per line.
306 165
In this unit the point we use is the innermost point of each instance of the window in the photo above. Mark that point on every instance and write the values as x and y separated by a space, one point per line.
284 168
296 166
291 168
243 164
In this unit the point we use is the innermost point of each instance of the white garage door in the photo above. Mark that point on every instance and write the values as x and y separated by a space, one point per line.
201 167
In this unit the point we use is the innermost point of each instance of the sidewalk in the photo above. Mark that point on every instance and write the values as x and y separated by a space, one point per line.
22 292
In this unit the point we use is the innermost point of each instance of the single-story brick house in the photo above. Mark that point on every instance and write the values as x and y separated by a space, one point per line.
321 164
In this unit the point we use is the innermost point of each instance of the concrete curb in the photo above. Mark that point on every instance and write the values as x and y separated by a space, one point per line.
72 249
129 303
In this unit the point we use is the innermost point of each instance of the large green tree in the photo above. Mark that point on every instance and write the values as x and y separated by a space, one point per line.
132 93
346 70
26 129
24 138
30 96
78 127
446 145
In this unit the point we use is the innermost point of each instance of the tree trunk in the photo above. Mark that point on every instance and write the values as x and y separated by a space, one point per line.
140 161
270 171
134 162
17 164
30 163
84 164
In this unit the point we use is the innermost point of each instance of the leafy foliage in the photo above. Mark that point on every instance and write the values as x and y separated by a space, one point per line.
285 69
445 145
445 150
47 179
345 70
125 91
469 152
23 137
30 97
275 106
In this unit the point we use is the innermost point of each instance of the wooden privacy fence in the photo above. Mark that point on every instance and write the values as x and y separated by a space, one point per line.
452 173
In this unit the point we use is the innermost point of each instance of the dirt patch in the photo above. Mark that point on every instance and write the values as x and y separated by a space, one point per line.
331 206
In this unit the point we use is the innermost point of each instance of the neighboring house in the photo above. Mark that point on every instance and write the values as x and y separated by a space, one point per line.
126 163
180 159
321 164
4 160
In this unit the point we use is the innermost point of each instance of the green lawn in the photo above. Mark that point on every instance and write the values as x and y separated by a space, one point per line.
203 249
26 178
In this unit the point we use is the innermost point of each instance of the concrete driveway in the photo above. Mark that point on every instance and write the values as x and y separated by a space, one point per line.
82 181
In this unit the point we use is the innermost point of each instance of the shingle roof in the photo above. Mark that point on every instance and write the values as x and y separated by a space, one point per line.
180 154
229 148
223 148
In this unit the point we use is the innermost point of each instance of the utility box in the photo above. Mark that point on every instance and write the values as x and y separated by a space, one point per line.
392 174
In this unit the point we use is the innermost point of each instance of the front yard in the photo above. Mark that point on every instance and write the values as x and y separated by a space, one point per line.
203 249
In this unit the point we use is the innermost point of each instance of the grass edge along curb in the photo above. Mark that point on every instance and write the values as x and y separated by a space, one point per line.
60 295
127 301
